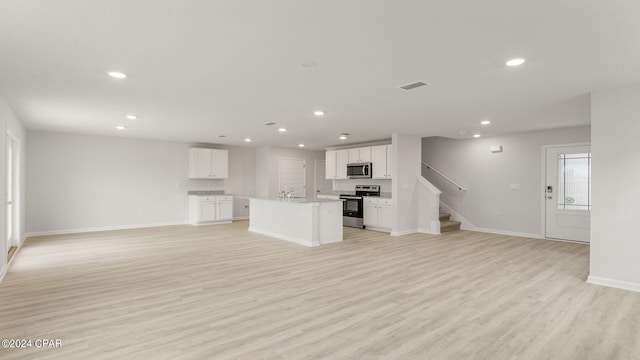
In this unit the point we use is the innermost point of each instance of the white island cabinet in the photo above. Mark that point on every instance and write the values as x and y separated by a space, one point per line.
302 221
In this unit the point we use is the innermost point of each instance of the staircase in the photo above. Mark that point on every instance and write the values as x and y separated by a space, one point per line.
446 224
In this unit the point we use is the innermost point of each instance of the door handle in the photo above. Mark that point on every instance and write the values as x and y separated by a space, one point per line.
549 197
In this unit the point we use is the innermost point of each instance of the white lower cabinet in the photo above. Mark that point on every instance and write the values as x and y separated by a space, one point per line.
210 209
378 213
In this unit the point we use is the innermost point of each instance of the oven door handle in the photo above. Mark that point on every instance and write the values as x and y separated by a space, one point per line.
351 197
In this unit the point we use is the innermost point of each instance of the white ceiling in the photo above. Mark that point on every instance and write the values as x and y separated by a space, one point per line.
199 69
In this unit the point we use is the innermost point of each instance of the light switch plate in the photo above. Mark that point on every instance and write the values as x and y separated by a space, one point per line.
515 187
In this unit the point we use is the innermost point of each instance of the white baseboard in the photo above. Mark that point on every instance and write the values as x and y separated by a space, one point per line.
103 228
597 280
241 218
508 233
428 231
4 271
404 232
373 228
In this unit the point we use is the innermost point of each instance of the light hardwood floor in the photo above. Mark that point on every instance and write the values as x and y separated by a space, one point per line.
218 292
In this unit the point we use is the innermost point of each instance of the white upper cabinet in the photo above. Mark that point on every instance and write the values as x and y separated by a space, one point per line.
208 163
330 165
360 155
342 159
381 161
336 164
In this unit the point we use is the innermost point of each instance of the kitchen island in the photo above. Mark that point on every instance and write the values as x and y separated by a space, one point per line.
306 222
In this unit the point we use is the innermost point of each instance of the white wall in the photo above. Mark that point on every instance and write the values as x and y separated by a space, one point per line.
13 127
85 182
615 244
490 203
405 172
268 168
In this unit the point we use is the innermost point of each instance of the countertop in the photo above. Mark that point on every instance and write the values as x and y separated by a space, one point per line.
293 200
206 192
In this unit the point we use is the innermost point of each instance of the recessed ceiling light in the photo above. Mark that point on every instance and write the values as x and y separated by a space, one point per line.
318 113
117 74
282 130
120 127
132 117
343 137
476 135
485 122
247 139
301 145
515 62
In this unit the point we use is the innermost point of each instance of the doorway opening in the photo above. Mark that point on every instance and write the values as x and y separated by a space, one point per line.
10 192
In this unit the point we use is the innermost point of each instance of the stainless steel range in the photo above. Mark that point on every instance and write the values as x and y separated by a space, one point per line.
353 205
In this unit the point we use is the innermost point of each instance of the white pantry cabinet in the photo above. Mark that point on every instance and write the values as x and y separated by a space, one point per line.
208 163
378 213
336 164
210 209
381 162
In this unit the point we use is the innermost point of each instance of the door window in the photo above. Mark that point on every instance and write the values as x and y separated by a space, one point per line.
574 181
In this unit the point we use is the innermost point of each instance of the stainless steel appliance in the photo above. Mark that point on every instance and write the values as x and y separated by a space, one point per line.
359 170
353 205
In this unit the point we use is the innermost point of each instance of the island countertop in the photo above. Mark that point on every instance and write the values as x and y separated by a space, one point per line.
293 200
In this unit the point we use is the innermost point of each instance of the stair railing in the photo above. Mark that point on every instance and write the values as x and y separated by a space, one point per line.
460 187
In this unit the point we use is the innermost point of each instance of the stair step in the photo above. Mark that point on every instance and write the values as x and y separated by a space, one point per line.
444 216
449 225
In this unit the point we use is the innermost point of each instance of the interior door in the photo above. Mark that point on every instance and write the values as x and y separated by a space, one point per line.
9 193
568 193
321 182
293 177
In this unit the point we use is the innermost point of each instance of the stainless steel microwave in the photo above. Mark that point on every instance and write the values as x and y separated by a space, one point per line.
359 170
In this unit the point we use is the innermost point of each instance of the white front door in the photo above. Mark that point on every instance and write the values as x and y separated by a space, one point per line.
293 177
568 193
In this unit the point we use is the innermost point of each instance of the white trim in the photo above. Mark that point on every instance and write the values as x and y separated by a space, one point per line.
508 233
404 232
102 228
241 218
219 222
626 285
374 228
6 267
428 231
4 271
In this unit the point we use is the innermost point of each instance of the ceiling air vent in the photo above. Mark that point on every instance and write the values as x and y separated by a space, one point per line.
413 86
270 123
